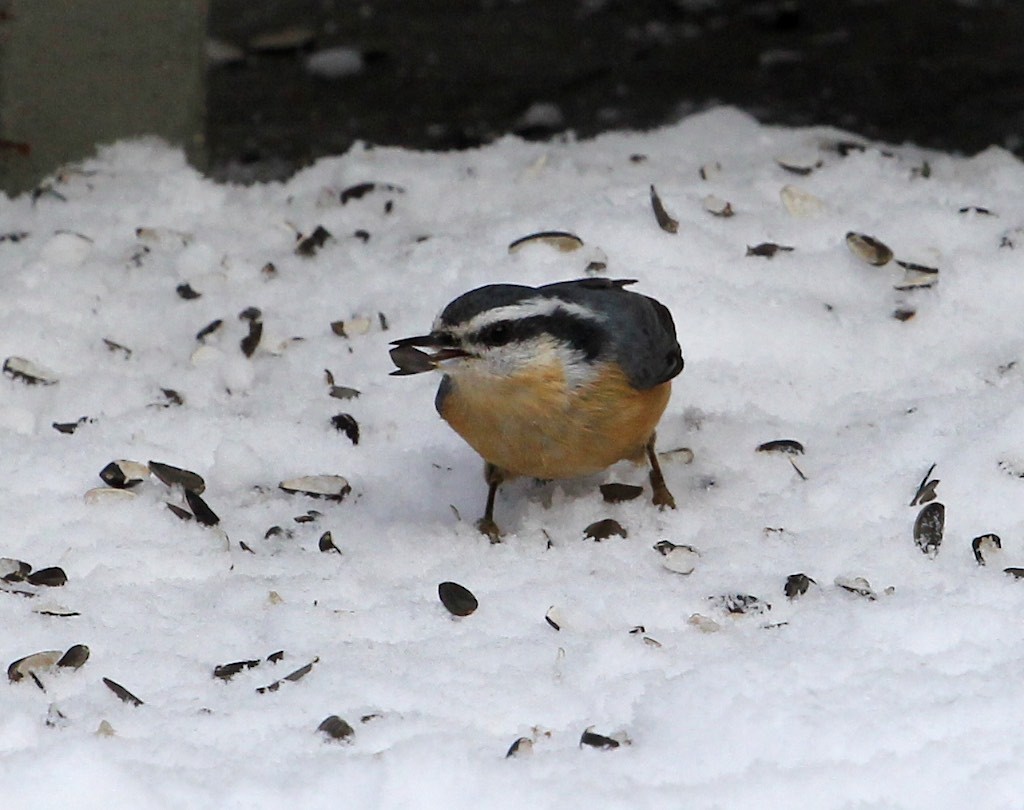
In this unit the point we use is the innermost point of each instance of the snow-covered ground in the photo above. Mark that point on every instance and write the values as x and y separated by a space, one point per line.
828 700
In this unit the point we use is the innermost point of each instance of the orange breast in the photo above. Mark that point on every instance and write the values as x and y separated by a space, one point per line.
533 424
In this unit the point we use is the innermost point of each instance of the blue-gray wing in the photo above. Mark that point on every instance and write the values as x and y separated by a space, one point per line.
642 333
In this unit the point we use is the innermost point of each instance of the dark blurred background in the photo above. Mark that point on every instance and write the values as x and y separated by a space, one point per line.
447 74
258 88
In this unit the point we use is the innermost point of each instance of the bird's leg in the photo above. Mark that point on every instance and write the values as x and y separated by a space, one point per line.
494 476
662 497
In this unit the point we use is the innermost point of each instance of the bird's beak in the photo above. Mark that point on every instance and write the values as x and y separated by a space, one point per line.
419 340
410 360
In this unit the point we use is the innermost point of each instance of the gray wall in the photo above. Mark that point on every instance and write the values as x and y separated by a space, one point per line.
76 73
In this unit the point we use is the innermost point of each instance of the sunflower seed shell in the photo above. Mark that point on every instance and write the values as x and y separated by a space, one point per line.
124 474
18 368
330 487
176 476
928 527
458 599
800 203
868 248
35 662
560 240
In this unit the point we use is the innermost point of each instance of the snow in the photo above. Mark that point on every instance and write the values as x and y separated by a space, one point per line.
829 700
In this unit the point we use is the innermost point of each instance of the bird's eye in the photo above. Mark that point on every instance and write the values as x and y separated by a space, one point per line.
497 334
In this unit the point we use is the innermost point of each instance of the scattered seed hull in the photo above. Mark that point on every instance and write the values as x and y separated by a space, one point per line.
560 240
703 623
520 748
12 570
122 693
343 392
740 603
346 423
176 476
335 728
768 249
594 740
31 664
52 577
75 657
172 397
789 447
917 276
70 427
926 489
665 221
108 494
680 560
929 526
458 599
800 203
718 207
857 585
360 190
124 474
186 292
797 585
179 512
228 671
868 248
251 341
330 487
678 455
292 677
309 245
18 368
209 329
797 165
163 237
985 544
203 513
326 543
603 529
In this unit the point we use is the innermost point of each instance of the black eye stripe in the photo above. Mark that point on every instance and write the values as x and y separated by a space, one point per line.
497 334
582 334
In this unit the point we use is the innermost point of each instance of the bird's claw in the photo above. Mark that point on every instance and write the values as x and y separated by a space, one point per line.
488 527
661 498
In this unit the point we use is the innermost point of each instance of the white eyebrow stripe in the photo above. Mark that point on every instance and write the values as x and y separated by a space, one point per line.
530 308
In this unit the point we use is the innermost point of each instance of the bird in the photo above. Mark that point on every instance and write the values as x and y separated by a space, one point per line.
558 381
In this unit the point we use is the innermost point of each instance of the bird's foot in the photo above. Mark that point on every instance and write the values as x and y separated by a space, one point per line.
488 527
661 498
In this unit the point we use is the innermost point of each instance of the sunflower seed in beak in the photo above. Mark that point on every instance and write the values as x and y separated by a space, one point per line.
410 360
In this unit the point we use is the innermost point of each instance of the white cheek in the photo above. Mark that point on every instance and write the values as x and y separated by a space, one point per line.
508 361
503 361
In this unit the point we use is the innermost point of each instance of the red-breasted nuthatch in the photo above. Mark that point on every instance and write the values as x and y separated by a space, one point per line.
557 381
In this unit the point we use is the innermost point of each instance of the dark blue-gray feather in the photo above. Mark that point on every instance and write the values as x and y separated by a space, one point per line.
443 390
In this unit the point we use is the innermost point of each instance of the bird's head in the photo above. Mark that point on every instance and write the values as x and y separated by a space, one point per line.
506 329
